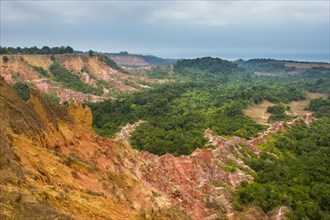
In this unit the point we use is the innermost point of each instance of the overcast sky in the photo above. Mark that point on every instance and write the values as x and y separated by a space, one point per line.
228 29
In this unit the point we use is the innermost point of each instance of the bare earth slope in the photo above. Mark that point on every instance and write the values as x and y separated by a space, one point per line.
53 166
129 60
92 71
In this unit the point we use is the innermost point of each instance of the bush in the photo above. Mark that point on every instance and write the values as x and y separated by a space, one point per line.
22 90
278 117
5 59
52 98
41 70
276 109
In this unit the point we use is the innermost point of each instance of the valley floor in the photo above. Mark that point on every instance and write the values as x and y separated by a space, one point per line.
258 111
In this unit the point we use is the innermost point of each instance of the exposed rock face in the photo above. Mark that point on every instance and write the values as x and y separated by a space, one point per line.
52 160
80 114
20 68
129 60
279 214
196 182
53 164
125 134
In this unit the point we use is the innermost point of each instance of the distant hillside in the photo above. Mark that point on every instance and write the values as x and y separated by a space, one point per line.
71 76
208 64
137 60
271 66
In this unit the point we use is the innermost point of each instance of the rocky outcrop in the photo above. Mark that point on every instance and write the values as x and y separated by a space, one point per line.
279 213
80 113
197 182
52 162
129 60
125 133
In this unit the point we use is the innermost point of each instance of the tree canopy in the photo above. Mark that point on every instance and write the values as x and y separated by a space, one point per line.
36 50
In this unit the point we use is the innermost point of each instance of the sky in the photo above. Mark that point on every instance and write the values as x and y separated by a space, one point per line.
173 29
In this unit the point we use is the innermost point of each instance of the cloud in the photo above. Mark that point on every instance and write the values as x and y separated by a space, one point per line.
71 12
193 13
217 13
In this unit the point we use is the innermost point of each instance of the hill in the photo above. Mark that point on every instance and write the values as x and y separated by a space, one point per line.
71 76
137 60
271 66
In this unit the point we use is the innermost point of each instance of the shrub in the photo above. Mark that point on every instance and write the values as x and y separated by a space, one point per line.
5 59
41 70
52 98
22 90
276 109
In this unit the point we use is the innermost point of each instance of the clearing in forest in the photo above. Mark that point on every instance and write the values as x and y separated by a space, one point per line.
258 111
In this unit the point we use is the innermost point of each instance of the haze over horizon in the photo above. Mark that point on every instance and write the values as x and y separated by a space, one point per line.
297 30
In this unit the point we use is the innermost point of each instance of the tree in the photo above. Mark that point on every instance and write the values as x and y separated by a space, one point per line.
276 109
68 50
4 50
46 50
90 53
5 59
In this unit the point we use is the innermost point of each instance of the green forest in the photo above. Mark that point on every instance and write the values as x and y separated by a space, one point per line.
36 50
300 177
207 93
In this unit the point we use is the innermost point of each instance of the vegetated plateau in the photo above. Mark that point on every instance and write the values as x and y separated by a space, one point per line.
200 103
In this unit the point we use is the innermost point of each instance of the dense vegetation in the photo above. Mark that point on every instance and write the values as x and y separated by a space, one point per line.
207 65
71 80
36 50
208 92
320 106
160 72
315 79
299 178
